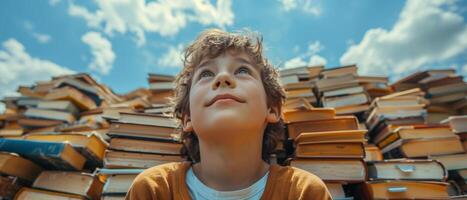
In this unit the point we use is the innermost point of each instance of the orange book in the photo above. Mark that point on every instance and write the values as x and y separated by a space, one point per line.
372 153
29 193
348 170
330 150
307 115
331 136
335 124
405 190
68 93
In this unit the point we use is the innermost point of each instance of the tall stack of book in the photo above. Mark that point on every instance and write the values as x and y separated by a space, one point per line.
141 136
342 89
162 87
329 146
58 150
298 84
446 91
456 164
388 112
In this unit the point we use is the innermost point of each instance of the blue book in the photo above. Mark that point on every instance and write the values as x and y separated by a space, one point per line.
49 155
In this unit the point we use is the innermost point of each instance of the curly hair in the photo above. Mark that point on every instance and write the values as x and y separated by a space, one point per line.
210 44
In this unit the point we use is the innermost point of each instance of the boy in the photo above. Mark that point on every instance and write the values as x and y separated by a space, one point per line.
228 101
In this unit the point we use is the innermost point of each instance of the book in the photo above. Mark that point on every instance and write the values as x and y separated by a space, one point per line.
457 123
50 114
349 170
307 115
416 132
13 165
11 128
340 101
412 148
331 137
78 183
118 184
404 190
145 146
330 150
36 194
62 105
453 161
339 71
122 159
89 145
147 119
49 155
335 124
31 123
372 153
403 169
152 78
68 93
118 129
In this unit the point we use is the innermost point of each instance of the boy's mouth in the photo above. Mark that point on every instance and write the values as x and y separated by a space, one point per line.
224 96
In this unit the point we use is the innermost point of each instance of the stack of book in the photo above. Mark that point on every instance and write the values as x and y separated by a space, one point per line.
329 146
298 84
57 139
161 87
141 136
342 89
456 164
386 113
446 91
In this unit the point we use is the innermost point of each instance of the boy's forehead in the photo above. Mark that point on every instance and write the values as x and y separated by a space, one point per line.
232 56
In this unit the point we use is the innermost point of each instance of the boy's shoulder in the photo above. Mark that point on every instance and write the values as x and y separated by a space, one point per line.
159 182
294 183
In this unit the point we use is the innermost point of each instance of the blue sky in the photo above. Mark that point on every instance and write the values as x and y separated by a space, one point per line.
120 42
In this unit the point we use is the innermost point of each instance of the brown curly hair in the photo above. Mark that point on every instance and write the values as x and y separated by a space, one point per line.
210 44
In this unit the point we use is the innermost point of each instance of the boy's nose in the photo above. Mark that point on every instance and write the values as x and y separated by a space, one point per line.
224 80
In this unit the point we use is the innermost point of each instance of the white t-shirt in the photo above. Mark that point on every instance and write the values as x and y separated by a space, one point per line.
200 191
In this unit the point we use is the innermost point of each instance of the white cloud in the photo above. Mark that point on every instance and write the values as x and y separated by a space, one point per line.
314 59
173 57
294 62
308 6
427 32
54 2
166 17
315 47
101 48
17 67
40 37
317 60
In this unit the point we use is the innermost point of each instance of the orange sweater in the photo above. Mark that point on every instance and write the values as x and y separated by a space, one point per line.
168 182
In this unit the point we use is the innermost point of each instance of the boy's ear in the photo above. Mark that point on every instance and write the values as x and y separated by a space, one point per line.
273 115
187 126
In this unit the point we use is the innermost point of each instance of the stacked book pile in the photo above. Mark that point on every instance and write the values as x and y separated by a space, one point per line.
344 90
446 91
73 138
299 85
141 136
137 141
329 146
53 139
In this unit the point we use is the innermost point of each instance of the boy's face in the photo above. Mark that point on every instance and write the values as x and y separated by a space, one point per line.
227 96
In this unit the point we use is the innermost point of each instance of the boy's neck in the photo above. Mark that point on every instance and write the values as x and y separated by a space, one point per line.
230 166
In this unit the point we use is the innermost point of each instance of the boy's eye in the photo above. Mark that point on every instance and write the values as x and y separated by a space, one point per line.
243 70
205 74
